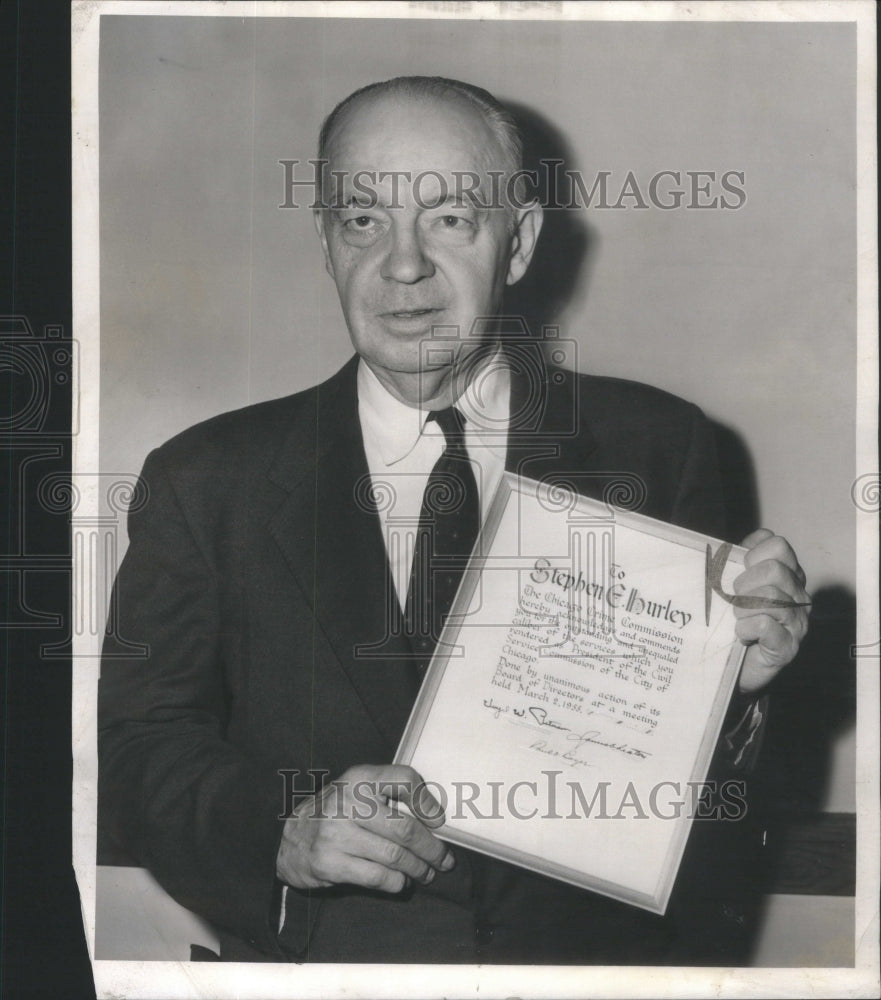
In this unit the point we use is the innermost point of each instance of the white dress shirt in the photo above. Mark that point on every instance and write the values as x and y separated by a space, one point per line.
402 448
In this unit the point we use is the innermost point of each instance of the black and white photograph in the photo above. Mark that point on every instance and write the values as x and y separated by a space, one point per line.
474 501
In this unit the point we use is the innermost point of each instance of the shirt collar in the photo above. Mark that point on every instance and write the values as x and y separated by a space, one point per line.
395 427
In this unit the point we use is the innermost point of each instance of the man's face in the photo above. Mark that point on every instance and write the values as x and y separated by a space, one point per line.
420 257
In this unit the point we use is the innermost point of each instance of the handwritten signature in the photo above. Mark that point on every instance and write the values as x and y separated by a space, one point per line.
540 716
591 737
571 758
497 710
543 719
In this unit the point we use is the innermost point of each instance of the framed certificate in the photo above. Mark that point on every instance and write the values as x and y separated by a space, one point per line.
571 709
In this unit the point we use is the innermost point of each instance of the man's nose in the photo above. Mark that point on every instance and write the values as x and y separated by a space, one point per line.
406 260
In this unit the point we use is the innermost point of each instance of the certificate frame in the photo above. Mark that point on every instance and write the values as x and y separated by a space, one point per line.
416 743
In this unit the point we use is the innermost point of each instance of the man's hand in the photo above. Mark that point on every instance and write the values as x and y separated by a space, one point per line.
351 832
772 635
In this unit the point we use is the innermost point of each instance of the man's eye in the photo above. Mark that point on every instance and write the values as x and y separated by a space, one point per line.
363 230
454 222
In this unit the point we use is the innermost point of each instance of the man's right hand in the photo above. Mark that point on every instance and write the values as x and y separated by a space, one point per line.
352 832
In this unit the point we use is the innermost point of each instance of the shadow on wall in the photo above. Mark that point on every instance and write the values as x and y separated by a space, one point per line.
814 698
814 702
568 243
806 853
786 843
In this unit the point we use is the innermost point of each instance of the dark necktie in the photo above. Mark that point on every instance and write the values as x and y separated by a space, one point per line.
448 527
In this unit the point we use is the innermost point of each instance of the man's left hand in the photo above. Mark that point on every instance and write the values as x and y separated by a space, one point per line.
772 635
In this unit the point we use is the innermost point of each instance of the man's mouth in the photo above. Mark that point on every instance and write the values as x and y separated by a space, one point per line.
410 313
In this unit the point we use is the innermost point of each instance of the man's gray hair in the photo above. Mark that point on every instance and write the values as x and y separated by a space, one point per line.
495 114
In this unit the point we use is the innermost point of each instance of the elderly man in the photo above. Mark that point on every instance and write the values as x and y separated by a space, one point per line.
260 571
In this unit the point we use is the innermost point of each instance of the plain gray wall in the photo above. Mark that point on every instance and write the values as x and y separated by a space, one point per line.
212 297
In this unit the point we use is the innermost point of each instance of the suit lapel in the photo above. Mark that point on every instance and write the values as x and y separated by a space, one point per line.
551 438
330 533
547 435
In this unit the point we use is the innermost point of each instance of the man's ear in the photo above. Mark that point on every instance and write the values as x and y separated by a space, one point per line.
318 219
527 226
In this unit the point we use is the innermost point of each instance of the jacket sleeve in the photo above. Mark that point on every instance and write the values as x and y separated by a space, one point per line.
183 800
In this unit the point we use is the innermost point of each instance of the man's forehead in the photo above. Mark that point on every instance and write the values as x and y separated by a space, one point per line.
411 133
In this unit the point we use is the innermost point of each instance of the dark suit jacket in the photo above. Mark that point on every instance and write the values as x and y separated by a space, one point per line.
252 574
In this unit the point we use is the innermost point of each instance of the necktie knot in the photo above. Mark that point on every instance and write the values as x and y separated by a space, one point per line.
452 423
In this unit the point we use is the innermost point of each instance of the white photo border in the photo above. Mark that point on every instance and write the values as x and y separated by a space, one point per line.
175 979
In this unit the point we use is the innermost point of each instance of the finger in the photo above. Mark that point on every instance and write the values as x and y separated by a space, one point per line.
370 874
398 782
773 547
393 855
409 833
403 784
771 573
754 537
391 784
756 674
760 666
774 644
